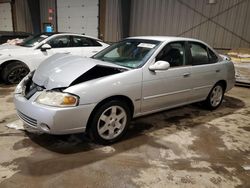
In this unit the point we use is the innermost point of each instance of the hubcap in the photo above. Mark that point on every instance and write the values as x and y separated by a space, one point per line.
216 96
17 74
112 122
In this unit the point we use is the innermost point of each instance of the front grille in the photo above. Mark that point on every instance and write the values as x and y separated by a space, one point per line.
27 119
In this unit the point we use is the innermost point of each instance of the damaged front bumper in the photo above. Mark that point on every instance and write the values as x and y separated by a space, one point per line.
52 120
49 119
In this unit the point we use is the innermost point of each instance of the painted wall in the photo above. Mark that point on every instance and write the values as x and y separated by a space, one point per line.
22 16
224 24
6 17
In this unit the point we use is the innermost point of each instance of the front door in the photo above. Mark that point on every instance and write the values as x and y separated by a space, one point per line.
169 88
60 44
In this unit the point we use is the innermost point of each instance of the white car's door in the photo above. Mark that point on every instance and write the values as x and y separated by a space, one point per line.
205 71
88 46
172 87
61 44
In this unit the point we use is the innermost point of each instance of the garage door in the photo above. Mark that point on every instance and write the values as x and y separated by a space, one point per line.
5 17
78 16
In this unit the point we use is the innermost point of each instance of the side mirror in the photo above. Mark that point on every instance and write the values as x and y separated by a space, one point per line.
159 65
45 47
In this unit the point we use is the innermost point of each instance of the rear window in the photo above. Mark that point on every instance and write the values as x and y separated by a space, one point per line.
199 53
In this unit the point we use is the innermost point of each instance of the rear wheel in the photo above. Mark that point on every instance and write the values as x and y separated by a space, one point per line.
215 97
14 72
110 122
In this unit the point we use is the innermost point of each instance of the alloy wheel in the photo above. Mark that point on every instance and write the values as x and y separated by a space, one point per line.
216 96
17 74
112 122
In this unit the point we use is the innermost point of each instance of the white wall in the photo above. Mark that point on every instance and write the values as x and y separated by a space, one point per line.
78 16
5 17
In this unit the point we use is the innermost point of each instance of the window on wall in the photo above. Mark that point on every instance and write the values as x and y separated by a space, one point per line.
173 53
199 54
60 42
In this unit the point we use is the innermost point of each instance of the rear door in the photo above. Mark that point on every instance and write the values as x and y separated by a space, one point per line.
205 70
87 46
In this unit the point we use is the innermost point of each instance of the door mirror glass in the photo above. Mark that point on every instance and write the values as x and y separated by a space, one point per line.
159 65
45 47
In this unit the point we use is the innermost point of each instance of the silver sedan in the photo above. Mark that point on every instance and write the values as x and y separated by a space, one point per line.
134 77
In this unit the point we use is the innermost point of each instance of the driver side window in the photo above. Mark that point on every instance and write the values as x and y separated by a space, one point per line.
173 53
60 42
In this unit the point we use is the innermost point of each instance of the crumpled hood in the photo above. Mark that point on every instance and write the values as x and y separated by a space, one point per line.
60 70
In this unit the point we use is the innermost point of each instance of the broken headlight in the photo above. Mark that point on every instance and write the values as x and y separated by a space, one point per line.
22 85
57 99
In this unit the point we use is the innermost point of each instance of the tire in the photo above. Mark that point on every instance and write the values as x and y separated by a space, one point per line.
14 72
215 97
107 127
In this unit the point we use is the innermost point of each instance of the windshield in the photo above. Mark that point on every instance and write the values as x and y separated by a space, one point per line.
33 40
131 53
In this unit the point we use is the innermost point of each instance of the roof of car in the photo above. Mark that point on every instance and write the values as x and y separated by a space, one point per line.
63 33
163 38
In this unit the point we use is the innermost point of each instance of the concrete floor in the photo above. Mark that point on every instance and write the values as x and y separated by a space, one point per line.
183 147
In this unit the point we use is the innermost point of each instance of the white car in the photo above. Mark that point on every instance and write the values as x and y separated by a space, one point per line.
134 77
17 60
241 59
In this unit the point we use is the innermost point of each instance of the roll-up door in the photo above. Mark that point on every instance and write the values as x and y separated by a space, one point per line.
78 16
5 17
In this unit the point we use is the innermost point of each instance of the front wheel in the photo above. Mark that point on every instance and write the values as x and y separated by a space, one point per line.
110 122
14 72
215 97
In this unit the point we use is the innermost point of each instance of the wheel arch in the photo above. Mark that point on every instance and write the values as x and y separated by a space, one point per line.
207 101
4 69
4 64
122 98
223 83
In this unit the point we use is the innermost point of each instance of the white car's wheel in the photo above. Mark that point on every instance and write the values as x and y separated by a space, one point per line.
110 122
215 97
14 72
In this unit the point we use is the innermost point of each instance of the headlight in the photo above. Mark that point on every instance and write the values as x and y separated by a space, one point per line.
21 86
58 99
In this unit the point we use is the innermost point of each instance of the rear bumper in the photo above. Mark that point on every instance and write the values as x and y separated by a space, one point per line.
230 84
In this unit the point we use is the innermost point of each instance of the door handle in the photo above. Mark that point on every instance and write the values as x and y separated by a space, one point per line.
94 51
66 52
185 75
218 70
